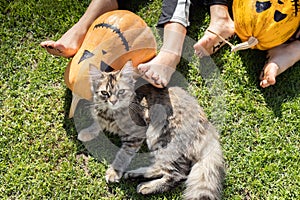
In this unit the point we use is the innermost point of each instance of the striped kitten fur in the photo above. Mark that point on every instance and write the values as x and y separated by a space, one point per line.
185 146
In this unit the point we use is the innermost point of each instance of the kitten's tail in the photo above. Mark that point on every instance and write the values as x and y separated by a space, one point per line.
206 176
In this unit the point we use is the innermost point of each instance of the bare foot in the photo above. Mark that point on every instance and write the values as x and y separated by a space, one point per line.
159 70
280 59
268 74
68 45
221 24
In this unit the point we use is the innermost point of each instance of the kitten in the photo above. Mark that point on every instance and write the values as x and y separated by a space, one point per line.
185 146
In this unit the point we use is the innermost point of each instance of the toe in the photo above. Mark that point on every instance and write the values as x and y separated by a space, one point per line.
267 81
164 83
44 43
148 74
49 47
143 68
155 76
158 83
264 84
48 44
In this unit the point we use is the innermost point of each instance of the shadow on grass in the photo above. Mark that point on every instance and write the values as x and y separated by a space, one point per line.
287 84
286 89
69 124
129 189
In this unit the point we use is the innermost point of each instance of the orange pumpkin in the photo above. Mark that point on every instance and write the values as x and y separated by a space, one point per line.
265 23
113 39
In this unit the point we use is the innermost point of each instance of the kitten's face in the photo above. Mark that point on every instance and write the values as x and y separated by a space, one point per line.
112 90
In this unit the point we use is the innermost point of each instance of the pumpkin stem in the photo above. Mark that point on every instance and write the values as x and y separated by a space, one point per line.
252 41
223 39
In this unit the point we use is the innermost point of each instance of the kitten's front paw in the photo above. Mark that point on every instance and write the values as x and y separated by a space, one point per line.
112 176
133 174
89 133
86 136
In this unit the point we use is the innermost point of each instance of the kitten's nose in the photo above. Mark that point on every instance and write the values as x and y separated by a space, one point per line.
113 102
113 99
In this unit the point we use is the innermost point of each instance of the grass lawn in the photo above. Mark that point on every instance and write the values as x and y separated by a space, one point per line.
41 158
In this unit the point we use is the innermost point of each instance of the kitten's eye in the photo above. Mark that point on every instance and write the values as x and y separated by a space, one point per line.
104 93
121 91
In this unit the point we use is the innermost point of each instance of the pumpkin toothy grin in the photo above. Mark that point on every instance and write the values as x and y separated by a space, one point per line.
115 30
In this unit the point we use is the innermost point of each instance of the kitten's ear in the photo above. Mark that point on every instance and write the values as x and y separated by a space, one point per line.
130 70
94 72
127 68
95 76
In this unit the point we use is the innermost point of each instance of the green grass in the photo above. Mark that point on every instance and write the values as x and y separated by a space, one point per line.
41 158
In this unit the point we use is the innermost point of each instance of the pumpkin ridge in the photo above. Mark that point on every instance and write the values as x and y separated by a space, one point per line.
115 30
296 5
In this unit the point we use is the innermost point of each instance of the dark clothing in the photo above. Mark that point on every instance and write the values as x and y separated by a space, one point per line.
178 10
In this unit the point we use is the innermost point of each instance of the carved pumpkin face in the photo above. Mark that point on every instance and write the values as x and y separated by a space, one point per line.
113 39
272 22
280 9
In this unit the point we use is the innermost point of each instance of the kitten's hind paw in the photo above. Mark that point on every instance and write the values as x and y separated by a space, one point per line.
112 176
154 186
145 188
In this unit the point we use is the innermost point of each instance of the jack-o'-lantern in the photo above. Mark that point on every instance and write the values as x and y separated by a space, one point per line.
265 23
113 39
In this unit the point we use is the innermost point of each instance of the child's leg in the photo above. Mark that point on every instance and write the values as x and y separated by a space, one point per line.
174 19
70 42
159 70
280 59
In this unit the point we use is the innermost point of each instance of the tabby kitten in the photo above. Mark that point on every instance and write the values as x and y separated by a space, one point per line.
185 146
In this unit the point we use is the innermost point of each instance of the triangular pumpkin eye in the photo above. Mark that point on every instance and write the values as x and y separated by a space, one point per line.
86 54
278 16
262 6
105 67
